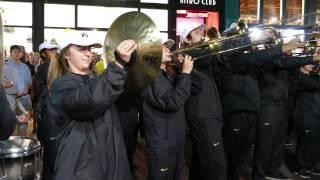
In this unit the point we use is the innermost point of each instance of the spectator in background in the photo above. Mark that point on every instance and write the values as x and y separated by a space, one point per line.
25 58
23 83
41 123
48 53
7 117
9 82
36 61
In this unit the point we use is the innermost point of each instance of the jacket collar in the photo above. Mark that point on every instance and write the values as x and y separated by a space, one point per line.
80 77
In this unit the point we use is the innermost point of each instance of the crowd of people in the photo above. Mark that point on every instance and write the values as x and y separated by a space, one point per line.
228 103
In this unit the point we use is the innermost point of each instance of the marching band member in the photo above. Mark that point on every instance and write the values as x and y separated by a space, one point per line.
307 118
164 120
213 67
45 129
203 115
273 120
241 104
89 139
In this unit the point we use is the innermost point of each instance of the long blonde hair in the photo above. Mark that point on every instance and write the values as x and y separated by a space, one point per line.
58 67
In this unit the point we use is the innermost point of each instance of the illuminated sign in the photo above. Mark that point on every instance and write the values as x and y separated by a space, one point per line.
192 14
199 2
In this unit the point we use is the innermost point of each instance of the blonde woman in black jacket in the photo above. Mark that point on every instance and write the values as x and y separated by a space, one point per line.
89 139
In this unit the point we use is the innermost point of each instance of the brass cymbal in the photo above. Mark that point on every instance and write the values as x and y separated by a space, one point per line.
145 64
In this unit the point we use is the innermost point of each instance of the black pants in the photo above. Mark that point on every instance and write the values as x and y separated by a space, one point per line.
308 137
165 165
291 104
238 134
208 160
271 138
129 124
49 157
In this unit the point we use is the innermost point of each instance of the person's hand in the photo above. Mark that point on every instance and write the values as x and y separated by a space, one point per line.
124 51
8 84
187 64
25 90
180 58
316 58
24 118
293 44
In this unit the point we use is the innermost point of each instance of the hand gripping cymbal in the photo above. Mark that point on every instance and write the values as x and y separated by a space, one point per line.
146 60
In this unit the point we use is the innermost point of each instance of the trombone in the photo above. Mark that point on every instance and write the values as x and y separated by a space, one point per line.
215 44
145 63
214 41
216 47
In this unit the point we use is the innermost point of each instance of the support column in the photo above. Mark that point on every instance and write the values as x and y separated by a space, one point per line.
232 12
310 11
37 24
172 20
260 11
283 12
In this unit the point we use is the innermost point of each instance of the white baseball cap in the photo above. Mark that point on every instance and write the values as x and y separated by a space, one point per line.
47 45
78 38
169 43
232 26
191 27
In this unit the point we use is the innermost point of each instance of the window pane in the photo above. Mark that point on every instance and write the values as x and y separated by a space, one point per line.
16 13
160 17
155 1
18 36
271 9
294 12
99 17
249 10
164 36
318 12
55 35
58 15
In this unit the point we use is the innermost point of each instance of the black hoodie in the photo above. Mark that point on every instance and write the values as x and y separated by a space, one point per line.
90 141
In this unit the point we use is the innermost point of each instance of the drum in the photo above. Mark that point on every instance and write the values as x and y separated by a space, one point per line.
20 158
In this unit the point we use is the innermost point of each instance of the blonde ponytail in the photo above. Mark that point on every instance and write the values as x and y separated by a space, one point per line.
58 67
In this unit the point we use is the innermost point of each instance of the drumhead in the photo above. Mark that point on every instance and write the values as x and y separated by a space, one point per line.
18 146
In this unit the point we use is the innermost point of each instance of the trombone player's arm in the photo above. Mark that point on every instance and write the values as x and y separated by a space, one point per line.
267 56
290 62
